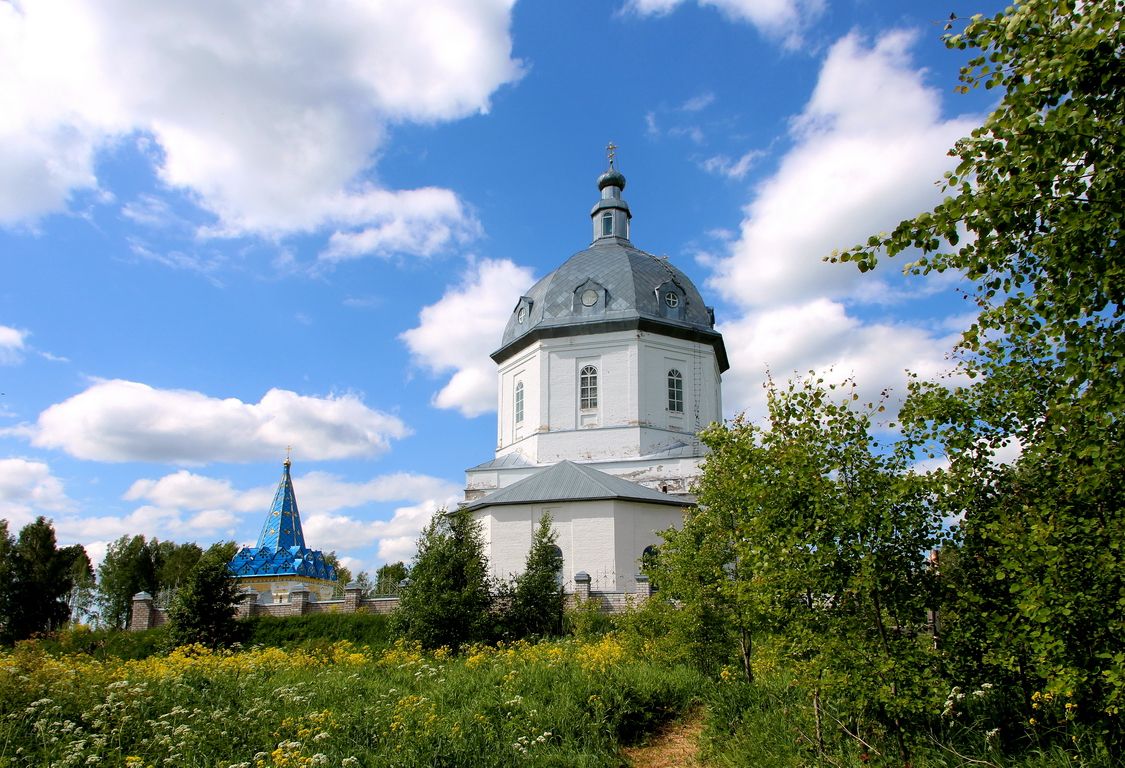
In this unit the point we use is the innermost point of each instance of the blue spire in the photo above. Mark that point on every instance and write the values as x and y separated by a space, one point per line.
282 529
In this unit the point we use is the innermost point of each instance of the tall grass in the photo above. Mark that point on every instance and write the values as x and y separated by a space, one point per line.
772 722
560 703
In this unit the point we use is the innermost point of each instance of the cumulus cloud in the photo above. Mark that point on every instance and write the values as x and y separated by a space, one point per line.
128 421
187 490
323 498
419 222
458 332
394 539
202 527
27 489
12 345
267 117
867 149
326 492
186 506
776 18
819 335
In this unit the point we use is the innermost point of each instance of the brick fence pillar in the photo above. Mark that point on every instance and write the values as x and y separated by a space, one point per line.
352 595
581 586
143 613
644 588
247 599
298 601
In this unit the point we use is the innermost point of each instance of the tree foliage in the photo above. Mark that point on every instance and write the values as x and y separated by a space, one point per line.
812 531
174 563
1033 219
36 580
7 582
131 565
80 597
447 600
343 573
535 602
134 564
203 609
389 577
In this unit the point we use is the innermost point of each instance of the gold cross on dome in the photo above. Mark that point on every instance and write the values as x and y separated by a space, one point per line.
611 152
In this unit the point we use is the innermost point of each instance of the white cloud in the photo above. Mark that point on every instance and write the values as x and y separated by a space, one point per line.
325 492
95 550
203 527
732 169
266 116
866 152
458 332
395 539
869 146
12 345
128 421
184 506
420 222
819 335
27 489
776 18
698 103
187 490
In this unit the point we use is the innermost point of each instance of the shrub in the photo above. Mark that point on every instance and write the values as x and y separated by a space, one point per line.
370 629
447 600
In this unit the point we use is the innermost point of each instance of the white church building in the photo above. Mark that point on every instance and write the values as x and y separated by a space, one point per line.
608 368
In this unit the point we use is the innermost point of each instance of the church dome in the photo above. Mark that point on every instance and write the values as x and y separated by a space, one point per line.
611 286
612 177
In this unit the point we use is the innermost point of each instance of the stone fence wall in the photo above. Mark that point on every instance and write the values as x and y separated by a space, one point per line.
297 603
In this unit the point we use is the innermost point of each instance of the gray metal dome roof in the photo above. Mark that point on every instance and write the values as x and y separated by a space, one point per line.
607 287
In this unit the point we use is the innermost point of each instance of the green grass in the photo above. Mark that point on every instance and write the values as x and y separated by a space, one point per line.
323 689
549 704
771 723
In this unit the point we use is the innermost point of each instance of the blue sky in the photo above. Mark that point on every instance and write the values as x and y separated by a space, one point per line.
229 228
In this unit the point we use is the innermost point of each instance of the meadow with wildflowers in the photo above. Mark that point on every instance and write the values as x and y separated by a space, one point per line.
556 703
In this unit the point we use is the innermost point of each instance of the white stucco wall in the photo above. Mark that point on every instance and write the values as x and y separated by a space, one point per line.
632 418
604 538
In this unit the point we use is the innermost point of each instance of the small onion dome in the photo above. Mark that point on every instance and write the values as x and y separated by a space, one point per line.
611 178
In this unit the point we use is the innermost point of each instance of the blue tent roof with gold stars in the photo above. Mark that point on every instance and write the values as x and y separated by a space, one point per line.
281 549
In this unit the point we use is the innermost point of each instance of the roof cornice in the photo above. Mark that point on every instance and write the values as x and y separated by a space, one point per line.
647 324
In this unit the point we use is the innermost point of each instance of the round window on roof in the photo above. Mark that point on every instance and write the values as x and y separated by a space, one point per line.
589 297
521 315
671 299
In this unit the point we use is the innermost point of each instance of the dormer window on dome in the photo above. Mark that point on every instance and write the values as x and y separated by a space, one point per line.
523 310
671 301
589 298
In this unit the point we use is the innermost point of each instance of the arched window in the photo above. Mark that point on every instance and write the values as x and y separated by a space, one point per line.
519 402
588 387
675 391
607 224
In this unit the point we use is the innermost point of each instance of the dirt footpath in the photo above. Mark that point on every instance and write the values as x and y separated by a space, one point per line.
674 746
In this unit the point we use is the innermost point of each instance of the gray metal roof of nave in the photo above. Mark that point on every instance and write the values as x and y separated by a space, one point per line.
567 481
630 287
